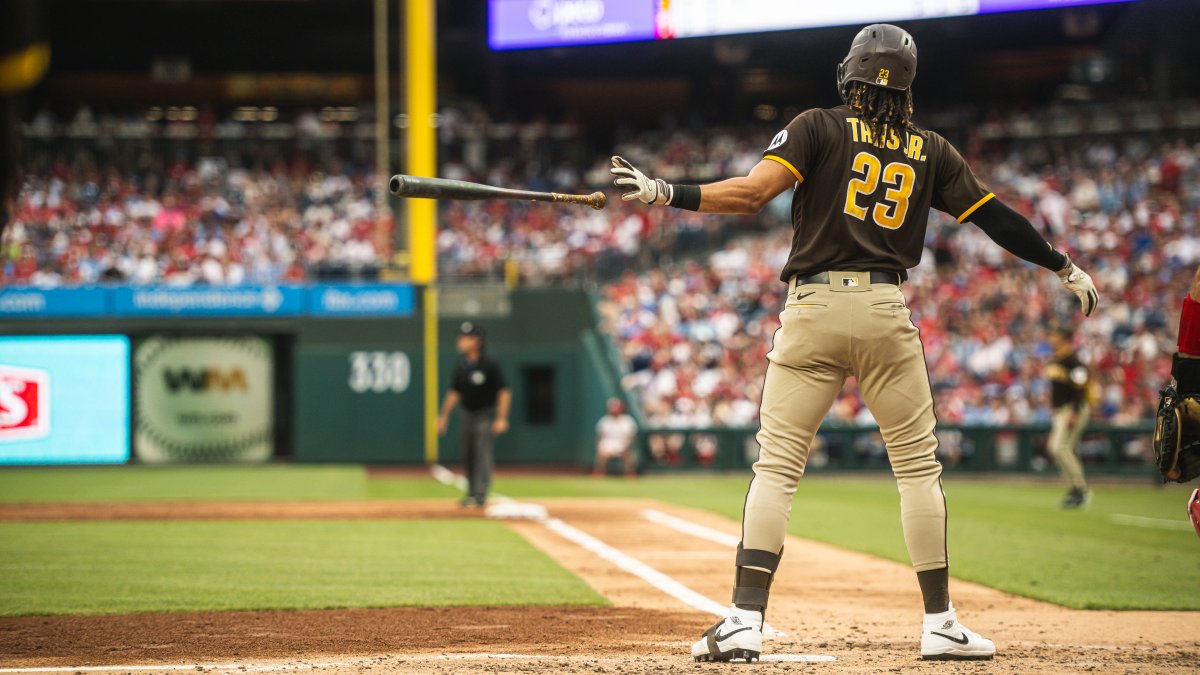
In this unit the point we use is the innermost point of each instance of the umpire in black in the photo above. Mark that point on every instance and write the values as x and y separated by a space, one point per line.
480 386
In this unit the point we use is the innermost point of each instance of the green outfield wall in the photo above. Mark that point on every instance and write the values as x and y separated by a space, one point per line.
346 389
349 389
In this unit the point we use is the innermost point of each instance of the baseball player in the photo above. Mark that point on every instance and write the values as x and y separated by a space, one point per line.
1069 401
479 385
863 178
615 433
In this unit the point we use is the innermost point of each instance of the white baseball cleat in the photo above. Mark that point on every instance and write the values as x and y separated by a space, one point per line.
943 637
737 636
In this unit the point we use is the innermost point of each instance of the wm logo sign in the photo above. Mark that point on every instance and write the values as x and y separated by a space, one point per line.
203 380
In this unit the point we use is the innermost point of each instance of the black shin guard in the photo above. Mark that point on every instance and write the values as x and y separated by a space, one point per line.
752 582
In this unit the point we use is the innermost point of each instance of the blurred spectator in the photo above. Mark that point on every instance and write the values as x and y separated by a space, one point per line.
615 434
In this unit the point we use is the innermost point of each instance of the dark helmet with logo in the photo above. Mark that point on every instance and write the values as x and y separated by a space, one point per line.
882 55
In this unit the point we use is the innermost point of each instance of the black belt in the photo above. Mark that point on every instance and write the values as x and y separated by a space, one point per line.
876 278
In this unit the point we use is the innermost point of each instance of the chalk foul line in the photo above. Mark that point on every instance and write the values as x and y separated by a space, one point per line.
622 560
1154 523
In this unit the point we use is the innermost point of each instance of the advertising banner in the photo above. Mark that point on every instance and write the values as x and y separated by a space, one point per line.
232 301
349 299
523 24
36 302
64 400
204 400
516 24
362 300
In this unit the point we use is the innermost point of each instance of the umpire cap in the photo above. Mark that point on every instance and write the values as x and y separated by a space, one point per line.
470 328
882 55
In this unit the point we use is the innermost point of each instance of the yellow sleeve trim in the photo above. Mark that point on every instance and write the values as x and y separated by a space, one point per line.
978 204
777 158
21 70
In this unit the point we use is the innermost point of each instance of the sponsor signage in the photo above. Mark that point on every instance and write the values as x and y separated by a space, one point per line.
517 24
384 300
521 24
362 300
40 302
204 400
64 400
211 301
24 403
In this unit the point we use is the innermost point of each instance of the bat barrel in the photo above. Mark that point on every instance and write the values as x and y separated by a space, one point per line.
444 188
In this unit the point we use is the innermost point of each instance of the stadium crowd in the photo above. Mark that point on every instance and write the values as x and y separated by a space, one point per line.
693 331
172 205
139 215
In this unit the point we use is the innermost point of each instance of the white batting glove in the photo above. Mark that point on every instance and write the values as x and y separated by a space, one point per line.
635 185
1079 283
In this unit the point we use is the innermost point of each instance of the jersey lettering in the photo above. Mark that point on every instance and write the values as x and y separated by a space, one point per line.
912 147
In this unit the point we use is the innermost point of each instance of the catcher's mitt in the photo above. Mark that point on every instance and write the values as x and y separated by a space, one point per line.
1177 428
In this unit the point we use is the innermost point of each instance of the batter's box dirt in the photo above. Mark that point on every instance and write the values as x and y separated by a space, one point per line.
335 635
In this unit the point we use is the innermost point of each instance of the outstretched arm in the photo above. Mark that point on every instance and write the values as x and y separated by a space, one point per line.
744 195
1015 234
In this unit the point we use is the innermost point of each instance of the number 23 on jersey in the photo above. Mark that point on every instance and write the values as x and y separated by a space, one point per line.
898 176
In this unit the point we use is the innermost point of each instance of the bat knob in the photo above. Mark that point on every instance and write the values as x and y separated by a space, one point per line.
598 200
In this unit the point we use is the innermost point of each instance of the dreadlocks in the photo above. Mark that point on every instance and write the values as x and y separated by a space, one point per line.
883 111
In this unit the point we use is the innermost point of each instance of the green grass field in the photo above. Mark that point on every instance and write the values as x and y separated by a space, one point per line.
124 567
1005 535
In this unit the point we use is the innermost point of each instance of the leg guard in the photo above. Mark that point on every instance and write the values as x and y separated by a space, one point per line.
755 572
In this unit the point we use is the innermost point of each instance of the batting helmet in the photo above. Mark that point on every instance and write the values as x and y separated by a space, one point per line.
881 55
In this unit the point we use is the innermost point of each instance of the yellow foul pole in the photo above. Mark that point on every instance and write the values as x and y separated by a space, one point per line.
420 67
382 131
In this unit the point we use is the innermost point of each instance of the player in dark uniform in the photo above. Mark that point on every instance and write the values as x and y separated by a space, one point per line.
1069 403
863 179
479 385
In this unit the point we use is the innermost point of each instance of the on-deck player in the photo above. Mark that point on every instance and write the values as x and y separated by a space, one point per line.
864 178
1069 381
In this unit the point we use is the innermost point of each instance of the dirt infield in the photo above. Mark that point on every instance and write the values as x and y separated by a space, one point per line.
861 610
330 635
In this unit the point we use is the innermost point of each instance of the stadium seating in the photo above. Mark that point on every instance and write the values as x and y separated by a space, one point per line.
1120 191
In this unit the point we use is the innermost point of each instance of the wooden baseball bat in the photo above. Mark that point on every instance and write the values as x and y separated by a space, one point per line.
445 188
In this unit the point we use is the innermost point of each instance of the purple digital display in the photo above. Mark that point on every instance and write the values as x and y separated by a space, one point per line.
521 24
994 6
524 24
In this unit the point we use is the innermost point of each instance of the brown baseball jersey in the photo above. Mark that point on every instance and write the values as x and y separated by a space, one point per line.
862 204
1068 380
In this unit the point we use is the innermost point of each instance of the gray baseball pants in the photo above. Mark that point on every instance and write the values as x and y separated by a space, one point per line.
477 451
